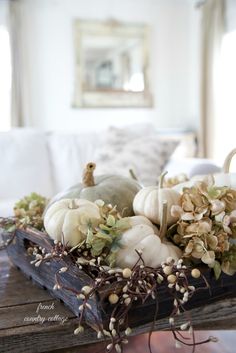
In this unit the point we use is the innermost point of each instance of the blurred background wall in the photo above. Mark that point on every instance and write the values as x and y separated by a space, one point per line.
47 27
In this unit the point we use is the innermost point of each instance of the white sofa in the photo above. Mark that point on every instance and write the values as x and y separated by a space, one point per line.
47 162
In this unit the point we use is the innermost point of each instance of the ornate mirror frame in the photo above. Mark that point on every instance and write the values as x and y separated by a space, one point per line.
108 98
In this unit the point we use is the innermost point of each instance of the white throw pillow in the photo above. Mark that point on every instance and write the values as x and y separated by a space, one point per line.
25 165
146 156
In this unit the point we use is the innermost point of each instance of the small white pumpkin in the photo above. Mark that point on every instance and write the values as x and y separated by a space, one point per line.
68 219
149 200
144 236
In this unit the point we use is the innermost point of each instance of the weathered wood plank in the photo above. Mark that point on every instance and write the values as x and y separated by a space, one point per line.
39 338
45 313
44 275
88 348
220 315
12 282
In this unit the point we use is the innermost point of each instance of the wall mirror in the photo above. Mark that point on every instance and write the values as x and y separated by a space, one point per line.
112 65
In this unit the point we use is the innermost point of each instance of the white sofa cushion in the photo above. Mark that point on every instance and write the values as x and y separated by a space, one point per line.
25 165
69 153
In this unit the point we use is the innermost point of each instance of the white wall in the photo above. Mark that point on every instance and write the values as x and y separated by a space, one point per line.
49 41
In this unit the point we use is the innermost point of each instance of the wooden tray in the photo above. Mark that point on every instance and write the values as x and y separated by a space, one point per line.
44 275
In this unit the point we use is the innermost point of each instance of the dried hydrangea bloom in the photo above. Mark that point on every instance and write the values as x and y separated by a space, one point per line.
196 249
223 221
179 212
223 242
230 200
193 200
209 257
216 207
202 227
207 222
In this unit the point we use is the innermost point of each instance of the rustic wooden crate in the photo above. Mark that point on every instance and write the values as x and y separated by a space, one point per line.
44 275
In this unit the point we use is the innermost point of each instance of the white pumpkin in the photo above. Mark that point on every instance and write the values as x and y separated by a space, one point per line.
143 235
149 200
67 220
225 178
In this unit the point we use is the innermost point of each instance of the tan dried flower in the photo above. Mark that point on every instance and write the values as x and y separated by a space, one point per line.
207 220
178 211
195 248
217 206
223 242
230 200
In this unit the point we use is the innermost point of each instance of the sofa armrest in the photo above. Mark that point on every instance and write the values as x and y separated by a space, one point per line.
6 207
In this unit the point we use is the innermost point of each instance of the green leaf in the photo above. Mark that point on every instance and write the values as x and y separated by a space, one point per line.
213 193
123 224
111 259
116 245
216 192
103 236
11 228
97 247
111 221
217 269
104 227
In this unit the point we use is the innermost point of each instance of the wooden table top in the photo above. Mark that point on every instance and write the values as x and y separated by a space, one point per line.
32 321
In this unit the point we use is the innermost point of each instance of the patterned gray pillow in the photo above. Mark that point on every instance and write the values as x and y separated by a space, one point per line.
114 139
146 156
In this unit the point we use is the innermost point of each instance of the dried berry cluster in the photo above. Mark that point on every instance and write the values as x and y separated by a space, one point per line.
126 288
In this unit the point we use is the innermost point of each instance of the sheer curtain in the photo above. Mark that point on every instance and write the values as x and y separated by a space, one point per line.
20 102
225 133
212 27
5 68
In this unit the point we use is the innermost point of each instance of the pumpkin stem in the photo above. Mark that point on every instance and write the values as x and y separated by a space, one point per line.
72 205
228 160
132 174
88 178
161 180
163 222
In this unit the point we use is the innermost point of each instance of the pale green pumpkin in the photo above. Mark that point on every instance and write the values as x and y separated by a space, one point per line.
112 189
